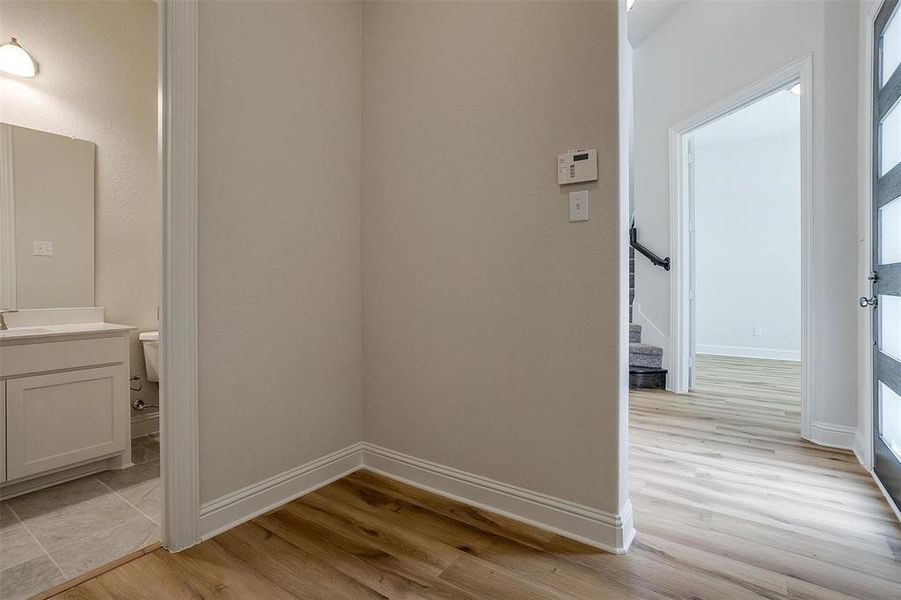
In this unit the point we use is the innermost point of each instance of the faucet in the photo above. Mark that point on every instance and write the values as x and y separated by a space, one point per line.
3 311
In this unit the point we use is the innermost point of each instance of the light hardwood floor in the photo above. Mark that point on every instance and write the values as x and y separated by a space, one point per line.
730 503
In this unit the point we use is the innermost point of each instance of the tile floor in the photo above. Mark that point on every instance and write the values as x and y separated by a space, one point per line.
52 535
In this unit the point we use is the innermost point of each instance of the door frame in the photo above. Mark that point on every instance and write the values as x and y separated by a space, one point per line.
864 444
679 345
179 447
864 447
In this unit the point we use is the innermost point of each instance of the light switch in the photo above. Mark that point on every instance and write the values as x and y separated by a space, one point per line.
43 248
578 206
758 331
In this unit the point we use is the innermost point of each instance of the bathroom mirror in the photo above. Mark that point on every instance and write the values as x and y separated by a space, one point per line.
46 219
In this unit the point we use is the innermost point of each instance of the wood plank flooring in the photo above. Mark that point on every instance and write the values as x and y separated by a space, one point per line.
730 504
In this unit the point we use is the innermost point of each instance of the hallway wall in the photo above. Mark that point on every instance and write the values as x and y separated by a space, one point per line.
491 323
279 226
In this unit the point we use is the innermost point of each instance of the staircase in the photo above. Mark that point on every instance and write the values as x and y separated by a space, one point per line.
645 362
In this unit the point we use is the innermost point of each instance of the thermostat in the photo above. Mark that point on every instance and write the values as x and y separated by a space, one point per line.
577 166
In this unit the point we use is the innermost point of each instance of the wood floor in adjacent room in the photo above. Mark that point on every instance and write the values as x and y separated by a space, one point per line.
729 504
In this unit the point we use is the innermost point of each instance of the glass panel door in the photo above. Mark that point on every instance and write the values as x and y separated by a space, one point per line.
886 296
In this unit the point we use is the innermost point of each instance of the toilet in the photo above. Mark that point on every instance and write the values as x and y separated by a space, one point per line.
151 342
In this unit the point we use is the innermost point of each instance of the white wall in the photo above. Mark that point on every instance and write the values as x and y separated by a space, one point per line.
708 50
279 227
491 324
748 232
98 82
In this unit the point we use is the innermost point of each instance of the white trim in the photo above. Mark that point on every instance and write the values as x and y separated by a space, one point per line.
612 533
142 425
625 109
801 69
254 500
888 498
865 236
7 219
832 435
609 532
178 329
860 450
749 352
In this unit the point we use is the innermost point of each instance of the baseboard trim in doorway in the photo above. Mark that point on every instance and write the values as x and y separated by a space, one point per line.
96 572
749 352
599 529
254 500
833 436
142 425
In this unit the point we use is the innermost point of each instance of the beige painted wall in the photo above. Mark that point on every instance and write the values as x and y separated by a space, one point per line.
279 225
98 82
491 322
53 181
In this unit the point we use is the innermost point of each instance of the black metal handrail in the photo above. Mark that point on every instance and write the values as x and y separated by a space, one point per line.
633 241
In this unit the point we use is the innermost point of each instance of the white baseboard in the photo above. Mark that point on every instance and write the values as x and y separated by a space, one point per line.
612 533
142 425
833 436
749 352
609 532
888 497
862 451
254 500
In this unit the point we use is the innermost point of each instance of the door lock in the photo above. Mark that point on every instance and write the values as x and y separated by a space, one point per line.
865 302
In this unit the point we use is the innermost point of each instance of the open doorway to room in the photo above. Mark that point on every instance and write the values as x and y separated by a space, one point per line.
741 211
80 262
742 183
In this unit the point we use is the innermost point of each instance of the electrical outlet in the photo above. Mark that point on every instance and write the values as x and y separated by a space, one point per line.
578 206
42 248
758 331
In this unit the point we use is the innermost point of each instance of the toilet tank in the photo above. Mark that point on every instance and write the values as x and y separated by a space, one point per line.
151 342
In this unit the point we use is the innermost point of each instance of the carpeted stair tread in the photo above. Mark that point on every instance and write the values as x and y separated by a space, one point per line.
634 333
645 355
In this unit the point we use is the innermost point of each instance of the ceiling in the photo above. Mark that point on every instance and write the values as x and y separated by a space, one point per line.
646 15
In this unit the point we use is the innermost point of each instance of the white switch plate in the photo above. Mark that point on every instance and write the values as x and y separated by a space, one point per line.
43 248
578 206
758 331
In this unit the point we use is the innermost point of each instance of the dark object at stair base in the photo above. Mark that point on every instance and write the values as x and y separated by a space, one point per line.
647 378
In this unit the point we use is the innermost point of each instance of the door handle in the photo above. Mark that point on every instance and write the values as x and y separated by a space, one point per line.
865 302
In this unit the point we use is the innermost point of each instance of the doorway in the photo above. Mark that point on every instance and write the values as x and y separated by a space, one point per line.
741 206
744 201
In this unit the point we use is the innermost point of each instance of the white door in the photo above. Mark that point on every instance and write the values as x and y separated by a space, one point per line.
886 250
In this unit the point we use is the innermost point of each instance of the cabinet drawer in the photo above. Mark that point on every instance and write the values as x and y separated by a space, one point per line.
57 420
66 354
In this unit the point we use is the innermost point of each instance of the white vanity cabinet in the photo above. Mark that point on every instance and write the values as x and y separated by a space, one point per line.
65 403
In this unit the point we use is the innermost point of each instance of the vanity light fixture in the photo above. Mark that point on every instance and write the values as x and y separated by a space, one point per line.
15 61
